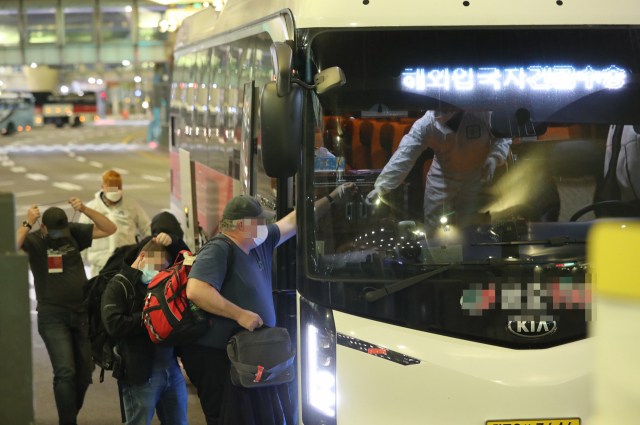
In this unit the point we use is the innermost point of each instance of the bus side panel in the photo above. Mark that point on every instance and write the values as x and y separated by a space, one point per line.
456 381
213 191
174 194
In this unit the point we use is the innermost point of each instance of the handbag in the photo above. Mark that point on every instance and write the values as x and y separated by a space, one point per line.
261 358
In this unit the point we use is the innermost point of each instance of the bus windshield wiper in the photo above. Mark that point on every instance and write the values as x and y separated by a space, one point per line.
403 284
554 241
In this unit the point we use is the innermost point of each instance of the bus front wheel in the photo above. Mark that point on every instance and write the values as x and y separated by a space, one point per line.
59 123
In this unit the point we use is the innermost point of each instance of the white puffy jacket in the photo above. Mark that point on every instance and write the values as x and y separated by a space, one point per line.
130 218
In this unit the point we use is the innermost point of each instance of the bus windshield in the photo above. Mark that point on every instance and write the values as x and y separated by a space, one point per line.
467 147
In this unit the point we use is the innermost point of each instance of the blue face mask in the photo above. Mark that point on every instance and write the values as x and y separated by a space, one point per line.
148 275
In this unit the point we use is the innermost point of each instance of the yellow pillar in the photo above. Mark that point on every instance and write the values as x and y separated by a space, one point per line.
613 249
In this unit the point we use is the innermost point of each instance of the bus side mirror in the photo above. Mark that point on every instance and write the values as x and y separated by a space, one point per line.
282 57
329 79
281 130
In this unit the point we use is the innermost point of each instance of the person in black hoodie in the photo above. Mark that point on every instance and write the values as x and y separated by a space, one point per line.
164 222
149 375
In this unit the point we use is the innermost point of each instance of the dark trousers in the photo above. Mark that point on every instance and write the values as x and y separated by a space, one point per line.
66 337
207 369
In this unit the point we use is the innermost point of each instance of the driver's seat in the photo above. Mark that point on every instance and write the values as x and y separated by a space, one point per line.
576 166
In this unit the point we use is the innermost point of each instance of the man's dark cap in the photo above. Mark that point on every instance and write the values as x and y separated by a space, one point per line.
244 206
56 222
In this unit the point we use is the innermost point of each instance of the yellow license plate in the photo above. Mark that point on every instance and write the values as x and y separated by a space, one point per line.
569 421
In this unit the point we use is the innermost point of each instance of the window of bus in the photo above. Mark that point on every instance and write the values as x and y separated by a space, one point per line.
465 147
262 72
149 18
199 134
116 22
217 158
177 86
9 32
41 25
78 23
186 101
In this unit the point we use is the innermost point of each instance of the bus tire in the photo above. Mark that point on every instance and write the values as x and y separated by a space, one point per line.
10 129
59 123
76 122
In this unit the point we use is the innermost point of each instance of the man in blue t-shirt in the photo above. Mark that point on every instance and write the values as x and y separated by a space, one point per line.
244 300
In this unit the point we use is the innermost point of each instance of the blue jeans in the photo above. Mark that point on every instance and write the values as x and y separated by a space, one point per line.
66 337
165 392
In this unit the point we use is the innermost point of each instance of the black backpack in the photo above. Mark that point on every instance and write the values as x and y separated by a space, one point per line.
101 342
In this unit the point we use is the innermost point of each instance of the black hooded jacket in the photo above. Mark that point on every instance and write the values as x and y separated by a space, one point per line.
121 309
164 222
122 303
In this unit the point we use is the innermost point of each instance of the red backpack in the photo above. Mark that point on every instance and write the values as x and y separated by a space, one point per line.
171 319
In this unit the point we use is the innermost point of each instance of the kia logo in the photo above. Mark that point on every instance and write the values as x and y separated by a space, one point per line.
532 329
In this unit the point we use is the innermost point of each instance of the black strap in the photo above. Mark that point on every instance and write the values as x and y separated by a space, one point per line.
231 254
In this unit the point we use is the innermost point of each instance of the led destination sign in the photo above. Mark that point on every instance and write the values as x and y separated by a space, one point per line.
539 78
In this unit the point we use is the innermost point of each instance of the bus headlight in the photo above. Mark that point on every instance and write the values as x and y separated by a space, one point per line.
318 363
321 381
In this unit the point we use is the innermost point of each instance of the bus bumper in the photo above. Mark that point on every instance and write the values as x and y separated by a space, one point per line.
456 381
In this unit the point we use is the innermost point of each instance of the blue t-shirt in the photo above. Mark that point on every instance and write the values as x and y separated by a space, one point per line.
249 286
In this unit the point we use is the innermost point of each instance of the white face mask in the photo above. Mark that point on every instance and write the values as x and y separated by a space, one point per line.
262 235
113 196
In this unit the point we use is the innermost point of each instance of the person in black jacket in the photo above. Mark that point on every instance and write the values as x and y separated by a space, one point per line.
164 222
149 375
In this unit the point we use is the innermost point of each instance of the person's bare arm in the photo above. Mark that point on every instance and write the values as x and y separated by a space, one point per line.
209 299
32 216
287 227
103 226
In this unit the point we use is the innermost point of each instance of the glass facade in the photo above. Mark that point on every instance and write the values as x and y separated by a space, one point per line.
9 32
149 18
116 23
78 24
41 26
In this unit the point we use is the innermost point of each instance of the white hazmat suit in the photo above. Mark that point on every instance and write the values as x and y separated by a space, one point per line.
130 218
628 163
460 158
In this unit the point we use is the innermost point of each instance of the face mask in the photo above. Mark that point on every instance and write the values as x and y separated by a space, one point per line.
148 275
262 235
113 196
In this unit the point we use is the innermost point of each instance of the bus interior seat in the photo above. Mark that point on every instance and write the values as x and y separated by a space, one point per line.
330 138
381 156
576 167
362 152
561 133
346 126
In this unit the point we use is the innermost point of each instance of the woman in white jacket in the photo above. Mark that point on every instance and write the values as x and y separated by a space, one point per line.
130 218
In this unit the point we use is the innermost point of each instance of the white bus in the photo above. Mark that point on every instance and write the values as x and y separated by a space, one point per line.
474 311
16 112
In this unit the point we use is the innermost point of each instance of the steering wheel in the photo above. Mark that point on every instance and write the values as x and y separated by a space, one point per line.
621 206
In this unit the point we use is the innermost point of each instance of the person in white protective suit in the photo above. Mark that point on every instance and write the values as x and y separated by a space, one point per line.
130 218
466 155
623 150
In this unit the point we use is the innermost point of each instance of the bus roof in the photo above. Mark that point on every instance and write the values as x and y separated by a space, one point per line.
409 13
